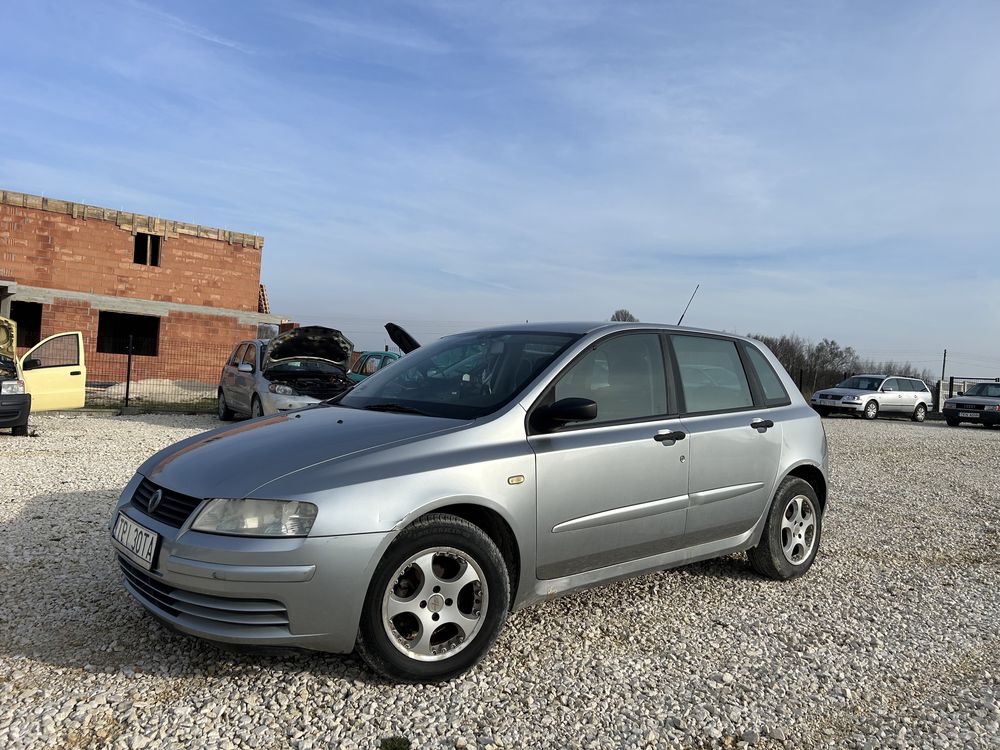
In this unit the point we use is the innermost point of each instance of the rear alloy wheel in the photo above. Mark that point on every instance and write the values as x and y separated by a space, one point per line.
871 409
436 602
256 408
792 532
225 413
920 413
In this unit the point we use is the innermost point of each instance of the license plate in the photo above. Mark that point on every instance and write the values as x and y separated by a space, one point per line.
967 414
137 540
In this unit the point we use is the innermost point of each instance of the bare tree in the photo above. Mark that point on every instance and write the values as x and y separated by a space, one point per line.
624 316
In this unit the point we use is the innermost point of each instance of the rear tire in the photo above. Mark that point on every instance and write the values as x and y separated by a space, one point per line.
415 625
871 410
225 413
792 532
256 408
920 413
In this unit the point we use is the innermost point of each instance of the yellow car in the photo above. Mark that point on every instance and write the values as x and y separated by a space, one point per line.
51 375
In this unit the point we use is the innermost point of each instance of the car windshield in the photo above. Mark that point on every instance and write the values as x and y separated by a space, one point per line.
303 367
861 383
985 390
460 377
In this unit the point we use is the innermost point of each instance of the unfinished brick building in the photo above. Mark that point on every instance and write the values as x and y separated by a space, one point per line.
169 285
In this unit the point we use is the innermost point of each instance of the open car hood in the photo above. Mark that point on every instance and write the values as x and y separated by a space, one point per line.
309 342
401 338
8 338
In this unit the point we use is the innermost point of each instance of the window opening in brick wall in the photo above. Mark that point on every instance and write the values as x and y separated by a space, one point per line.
147 249
113 330
28 317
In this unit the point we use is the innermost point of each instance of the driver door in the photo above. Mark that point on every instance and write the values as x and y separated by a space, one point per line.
54 372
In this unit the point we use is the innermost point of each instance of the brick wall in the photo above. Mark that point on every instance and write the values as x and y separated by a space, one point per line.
59 251
192 347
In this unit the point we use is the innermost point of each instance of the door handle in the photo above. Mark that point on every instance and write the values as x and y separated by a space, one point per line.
663 437
76 372
762 425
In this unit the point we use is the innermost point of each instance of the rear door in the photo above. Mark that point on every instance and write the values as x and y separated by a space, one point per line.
54 372
228 379
734 434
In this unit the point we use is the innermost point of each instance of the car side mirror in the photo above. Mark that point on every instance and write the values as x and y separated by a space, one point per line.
887 390
245 367
960 393
32 364
567 410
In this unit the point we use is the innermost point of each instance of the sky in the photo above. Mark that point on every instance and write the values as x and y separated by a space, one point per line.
825 169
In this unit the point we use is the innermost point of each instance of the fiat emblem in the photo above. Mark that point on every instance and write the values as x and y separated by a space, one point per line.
154 501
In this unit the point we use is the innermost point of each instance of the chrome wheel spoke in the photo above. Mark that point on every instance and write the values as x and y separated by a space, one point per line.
798 529
394 606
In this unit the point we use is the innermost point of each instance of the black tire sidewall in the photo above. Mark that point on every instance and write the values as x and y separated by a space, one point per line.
374 642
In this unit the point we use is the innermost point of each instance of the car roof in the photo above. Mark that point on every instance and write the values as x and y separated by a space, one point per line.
589 327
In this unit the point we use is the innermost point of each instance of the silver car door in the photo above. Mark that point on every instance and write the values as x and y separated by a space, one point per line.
891 396
734 444
245 382
228 383
615 488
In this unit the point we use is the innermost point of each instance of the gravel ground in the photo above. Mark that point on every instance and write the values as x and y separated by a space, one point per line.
890 641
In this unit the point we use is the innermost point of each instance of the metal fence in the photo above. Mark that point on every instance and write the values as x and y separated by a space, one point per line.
178 376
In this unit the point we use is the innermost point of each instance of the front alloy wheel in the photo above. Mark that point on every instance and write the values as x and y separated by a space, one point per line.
436 602
871 410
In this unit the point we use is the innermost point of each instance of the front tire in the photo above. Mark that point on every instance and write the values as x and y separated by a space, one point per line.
823 411
20 430
225 413
871 410
436 602
951 422
792 532
920 413
256 408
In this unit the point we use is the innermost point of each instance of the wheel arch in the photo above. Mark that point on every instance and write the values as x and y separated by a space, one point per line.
495 526
815 477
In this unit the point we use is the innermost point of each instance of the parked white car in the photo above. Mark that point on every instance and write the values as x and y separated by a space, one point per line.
869 396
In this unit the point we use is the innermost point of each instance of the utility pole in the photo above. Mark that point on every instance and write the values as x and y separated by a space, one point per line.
944 361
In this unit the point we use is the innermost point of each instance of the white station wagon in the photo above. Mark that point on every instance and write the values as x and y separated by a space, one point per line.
869 396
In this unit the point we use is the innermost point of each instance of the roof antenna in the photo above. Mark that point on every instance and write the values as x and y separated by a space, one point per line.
689 303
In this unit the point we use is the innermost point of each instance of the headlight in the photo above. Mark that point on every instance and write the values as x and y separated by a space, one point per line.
949 404
12 387
851 398
256 517
281 390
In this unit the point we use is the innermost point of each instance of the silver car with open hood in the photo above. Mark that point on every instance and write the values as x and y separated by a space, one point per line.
297 368
478 474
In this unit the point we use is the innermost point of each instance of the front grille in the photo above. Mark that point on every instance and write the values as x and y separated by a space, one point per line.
173 509
971 407
202 608
833 397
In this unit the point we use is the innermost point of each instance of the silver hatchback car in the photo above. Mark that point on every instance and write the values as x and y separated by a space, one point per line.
479 474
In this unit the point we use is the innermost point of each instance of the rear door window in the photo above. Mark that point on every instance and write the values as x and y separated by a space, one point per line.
711 373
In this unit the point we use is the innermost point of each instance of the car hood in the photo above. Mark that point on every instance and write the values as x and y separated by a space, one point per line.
8 338
979 400
233 461
843 392
309 342
401 338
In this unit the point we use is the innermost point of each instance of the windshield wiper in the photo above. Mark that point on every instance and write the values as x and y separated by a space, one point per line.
400 408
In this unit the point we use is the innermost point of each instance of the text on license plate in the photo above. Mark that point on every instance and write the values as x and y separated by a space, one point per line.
141 542
967 414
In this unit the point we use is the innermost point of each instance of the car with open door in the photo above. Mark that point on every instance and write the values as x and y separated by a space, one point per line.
480 473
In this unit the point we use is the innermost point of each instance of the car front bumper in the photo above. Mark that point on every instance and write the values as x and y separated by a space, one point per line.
982 417
275 403
14 409
292 592
851 407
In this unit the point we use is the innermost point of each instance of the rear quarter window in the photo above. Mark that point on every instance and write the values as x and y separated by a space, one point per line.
774 392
